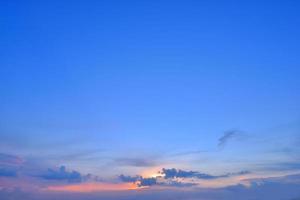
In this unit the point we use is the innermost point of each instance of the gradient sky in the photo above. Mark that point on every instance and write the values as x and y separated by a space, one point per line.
91 90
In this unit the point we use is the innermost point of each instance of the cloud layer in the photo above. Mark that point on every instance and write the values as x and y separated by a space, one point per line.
279 188
169 177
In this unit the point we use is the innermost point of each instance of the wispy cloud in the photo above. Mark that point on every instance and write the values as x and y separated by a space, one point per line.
281 166
8 159
227 136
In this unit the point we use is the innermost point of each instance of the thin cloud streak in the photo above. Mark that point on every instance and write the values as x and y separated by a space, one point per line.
228 135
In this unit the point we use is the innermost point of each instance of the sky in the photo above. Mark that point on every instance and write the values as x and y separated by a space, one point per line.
150 100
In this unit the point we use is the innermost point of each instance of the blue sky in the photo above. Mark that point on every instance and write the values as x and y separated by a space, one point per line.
131 87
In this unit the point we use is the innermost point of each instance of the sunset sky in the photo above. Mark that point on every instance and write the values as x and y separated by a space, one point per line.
157 100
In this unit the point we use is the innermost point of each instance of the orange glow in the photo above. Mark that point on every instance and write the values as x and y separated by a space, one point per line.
93 187
153 172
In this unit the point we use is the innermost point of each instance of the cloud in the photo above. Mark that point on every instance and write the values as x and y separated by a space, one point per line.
184 153
129 179
174 173
228 135
147 181
62 174
279 188
136 162
139 180
282 166
293 178
169 177
11 166
275 188
178 184
8 159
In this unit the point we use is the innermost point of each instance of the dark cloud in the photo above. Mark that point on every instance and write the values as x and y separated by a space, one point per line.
129 179
228 135
62 174
141 181
152 181
174 173
136 162
237 173
147 181
178 184
11 166
169 176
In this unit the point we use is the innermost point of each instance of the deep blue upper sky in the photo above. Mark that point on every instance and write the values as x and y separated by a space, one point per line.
154 77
